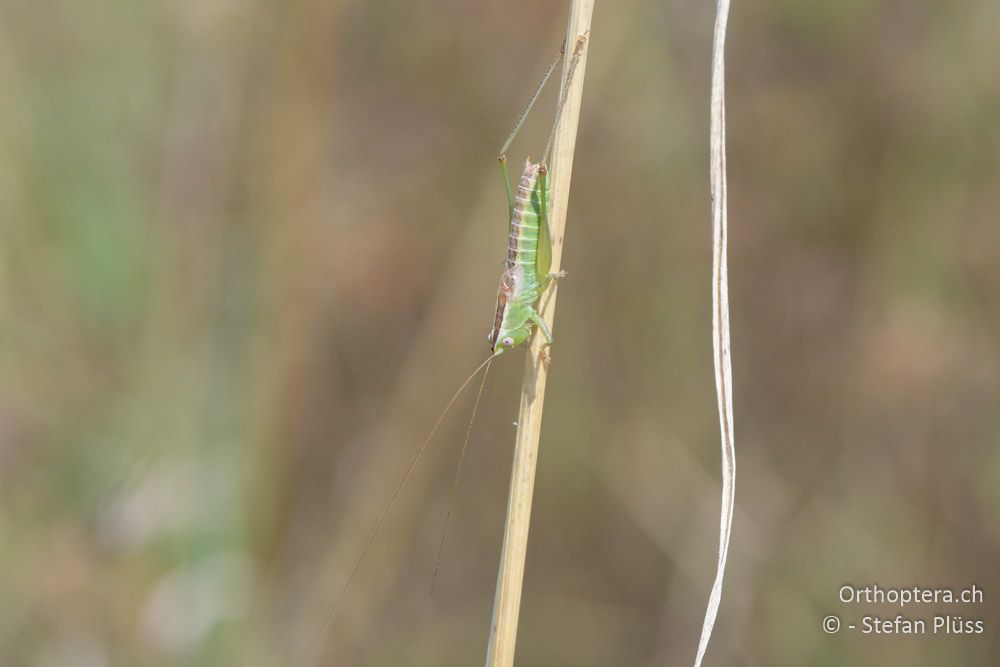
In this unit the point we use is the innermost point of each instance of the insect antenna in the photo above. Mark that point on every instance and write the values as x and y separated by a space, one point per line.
385 512
458 474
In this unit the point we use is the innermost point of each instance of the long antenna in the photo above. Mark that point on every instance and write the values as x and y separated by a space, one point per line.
458 473
385 512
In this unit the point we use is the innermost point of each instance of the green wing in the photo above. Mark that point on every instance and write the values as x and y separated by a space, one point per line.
543 256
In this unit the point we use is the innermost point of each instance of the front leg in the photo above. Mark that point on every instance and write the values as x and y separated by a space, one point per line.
542 326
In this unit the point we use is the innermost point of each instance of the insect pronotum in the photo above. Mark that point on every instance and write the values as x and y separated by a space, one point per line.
524 279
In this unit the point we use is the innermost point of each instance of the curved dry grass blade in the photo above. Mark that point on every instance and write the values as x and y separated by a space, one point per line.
720 315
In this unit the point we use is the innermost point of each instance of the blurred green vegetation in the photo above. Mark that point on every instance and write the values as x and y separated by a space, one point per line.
247 251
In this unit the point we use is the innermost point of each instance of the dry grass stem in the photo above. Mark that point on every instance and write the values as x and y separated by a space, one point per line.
506 606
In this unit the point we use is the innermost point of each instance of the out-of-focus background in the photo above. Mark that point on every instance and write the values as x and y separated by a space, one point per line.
249 249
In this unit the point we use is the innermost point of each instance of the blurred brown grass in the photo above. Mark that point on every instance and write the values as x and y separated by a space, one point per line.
248 250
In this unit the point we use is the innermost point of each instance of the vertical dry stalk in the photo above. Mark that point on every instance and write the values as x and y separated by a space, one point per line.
720 314
507 601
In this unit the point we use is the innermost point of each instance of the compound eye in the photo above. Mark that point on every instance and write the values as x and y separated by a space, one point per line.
508 341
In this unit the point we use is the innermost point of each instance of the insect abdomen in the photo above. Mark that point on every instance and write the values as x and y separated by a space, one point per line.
522 247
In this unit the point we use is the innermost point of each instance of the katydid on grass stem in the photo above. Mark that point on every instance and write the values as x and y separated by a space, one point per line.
525 277
529 251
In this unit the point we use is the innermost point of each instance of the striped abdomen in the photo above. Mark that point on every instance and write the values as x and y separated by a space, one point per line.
522 246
